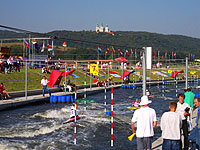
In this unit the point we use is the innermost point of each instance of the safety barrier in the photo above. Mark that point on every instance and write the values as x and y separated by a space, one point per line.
61 99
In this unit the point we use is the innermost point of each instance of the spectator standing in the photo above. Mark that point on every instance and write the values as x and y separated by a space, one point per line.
5 64
196 132
1 64
44 82
171 123
146 120
17 64
184 110
9 62
189 97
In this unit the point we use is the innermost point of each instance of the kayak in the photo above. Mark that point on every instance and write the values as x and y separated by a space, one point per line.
133 107
71 120
152 96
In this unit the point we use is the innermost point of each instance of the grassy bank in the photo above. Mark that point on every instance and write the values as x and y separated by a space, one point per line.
15 81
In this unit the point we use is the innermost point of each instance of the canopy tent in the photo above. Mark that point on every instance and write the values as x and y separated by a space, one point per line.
56 77
121 59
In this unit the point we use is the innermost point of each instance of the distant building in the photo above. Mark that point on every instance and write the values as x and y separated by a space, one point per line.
97 28
102 29
107 29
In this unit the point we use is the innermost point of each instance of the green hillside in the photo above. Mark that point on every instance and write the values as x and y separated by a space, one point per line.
83 44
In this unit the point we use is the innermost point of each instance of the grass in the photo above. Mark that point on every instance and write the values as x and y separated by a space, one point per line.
19 77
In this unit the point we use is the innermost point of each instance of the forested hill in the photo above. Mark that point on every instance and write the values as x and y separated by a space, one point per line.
80 40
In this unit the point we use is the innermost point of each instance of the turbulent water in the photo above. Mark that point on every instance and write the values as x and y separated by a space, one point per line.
40 127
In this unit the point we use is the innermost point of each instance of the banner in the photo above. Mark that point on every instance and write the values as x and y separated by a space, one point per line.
94 69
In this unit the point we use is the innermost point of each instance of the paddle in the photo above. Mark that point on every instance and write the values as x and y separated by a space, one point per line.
131 136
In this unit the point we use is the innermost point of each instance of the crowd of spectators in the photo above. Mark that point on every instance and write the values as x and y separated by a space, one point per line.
10 64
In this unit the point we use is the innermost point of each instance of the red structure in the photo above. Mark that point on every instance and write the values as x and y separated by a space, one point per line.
121 59
56 77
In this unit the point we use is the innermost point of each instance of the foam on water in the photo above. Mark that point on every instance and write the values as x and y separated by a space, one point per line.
50 114
31 133
12 146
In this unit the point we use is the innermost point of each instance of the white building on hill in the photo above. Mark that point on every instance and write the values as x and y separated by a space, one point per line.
102 29
107 29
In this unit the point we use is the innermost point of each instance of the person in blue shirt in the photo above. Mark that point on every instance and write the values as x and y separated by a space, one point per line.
197 128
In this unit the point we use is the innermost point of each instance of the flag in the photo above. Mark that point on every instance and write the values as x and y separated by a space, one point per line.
108 50
127 53
64 44
120 51
132 51
43 46
34 41
140 52
135 54
52 49
37 46
174 54
47 45
99 49
165 54
113 50
26 44
154 54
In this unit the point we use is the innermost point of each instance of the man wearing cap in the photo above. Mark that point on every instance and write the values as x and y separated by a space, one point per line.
146 120
189 97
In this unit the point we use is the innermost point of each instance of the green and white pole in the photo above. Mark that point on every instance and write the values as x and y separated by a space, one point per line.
176 87
105 98
163 87
85 95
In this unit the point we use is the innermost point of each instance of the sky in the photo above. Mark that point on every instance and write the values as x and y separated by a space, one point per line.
180 17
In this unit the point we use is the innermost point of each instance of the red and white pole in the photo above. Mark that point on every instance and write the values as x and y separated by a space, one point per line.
112 116
75 119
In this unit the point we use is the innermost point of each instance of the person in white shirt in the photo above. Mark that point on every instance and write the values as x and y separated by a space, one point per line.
184 110
171 123
44 82
72 113
145 118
